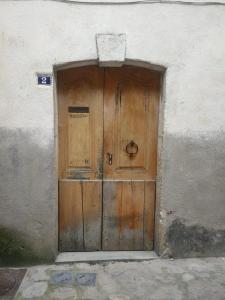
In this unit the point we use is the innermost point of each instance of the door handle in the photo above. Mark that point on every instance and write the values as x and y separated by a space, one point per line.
132 149
109 158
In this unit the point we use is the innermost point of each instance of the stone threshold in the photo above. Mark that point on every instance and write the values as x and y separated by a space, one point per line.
104 256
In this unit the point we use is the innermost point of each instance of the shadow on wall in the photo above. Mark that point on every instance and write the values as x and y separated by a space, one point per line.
28 207
195 241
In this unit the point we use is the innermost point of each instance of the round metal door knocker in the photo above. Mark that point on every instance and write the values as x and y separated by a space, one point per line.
132 149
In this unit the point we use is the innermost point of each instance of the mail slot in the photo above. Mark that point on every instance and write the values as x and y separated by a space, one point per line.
78 109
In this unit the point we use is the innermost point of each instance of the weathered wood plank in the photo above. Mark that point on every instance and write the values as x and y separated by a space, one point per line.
149 214
92 214
131 214
70 216
110 232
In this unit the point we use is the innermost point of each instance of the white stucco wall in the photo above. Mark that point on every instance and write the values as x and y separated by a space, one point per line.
187 40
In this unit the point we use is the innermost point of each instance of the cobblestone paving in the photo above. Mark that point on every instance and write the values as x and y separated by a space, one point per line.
160 279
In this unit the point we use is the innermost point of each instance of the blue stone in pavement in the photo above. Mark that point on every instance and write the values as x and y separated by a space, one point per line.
85 279
62 278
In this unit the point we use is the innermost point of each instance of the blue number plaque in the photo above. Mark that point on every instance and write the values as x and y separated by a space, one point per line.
44 79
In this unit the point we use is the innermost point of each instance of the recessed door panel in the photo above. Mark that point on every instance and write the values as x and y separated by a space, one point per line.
131 112
80 95
79 140
130 123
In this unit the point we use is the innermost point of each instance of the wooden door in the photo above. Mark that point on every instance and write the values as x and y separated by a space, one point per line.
130 142
107 158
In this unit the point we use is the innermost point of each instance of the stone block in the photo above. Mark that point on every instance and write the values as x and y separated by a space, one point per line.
111 49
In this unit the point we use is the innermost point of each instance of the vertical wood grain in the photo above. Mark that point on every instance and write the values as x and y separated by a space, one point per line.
110 222
131 214
92 214
70 216
149 214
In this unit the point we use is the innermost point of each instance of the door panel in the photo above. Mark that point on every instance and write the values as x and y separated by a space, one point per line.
80 215
80 94
128 215
79 140
130 117
131 124
108 121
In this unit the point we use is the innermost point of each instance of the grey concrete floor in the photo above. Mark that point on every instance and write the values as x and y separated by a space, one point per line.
159 279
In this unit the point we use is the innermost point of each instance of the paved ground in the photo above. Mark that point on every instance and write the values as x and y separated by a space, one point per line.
10 280
160 279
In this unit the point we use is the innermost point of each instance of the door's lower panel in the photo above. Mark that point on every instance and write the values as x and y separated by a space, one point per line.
128 215
80 215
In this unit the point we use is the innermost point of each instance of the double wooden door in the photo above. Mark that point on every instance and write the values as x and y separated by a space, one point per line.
107 158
